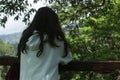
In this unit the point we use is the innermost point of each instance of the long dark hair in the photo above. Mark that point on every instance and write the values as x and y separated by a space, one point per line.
45 22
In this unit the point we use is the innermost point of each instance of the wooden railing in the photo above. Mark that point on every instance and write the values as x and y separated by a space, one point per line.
97 66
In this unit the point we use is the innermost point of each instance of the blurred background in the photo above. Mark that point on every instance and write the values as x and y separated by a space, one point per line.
91 26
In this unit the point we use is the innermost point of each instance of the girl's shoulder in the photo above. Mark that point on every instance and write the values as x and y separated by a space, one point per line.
33 41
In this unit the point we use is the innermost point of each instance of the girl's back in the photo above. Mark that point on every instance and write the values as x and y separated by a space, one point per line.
44 67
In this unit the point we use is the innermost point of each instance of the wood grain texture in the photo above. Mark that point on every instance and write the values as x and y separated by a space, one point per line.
97 66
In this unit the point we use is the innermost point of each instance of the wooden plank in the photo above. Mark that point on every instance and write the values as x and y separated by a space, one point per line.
97 66
8 60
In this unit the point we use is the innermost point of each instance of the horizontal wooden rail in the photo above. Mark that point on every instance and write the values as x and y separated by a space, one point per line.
7 60
97 66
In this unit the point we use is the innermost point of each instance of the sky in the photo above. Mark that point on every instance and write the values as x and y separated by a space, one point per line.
18 26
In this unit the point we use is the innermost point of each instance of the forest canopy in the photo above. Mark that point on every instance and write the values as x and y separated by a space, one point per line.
92 27
82 8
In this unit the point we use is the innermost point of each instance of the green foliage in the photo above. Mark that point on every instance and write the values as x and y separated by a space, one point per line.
15 8
4 70
92 28
5 49
94 31
94 34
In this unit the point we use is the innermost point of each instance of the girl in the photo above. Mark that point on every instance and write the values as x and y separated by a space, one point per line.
42 47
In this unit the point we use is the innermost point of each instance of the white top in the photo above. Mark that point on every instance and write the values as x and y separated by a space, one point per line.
44 67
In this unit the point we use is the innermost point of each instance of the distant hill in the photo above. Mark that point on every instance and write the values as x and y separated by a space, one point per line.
11 38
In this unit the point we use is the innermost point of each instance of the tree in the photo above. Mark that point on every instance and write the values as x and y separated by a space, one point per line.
15 8
92 28
93 33
5 49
